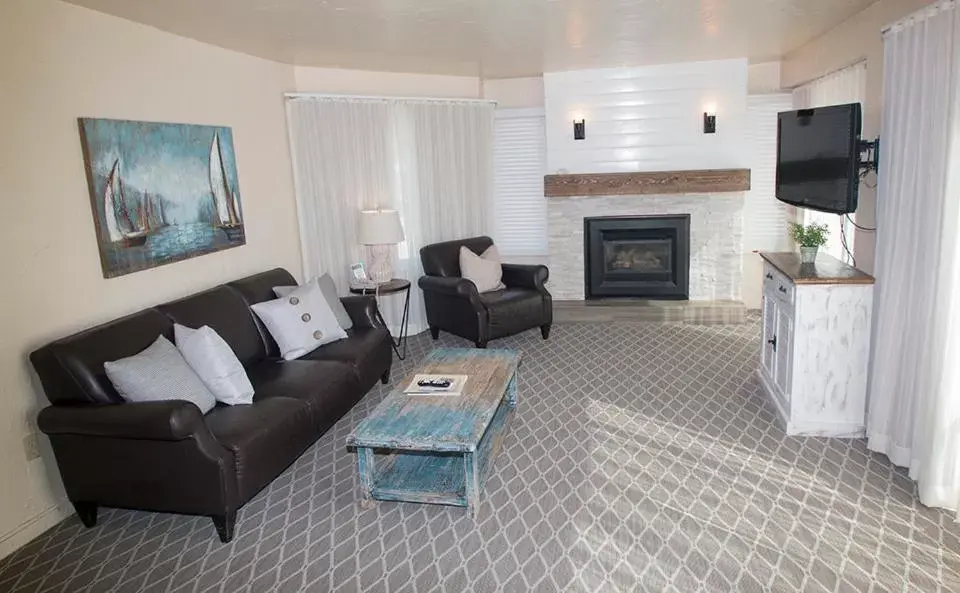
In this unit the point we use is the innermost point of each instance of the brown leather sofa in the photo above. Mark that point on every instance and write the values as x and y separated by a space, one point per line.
454 305
166 456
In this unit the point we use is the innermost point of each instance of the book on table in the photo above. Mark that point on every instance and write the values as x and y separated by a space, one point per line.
426 384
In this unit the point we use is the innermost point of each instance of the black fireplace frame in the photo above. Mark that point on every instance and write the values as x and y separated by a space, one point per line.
676 226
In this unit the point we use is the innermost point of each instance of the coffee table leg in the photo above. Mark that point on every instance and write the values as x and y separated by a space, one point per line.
473 482
365 471
512 391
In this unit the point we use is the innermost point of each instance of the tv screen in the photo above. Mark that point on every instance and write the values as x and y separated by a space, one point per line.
818 158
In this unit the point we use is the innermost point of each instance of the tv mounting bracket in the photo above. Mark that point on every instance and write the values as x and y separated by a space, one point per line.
869 159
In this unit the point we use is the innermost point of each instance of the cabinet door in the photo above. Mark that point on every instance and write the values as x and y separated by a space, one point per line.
784 353
769 353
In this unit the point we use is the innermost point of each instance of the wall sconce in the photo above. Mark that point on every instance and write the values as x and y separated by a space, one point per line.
579 129
709 122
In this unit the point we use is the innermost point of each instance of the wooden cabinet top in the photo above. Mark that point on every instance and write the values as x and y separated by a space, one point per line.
826 270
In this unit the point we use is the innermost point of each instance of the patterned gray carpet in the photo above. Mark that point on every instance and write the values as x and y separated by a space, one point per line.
641 458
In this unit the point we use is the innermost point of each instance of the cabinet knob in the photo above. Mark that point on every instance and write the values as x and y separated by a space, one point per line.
782 289
769 276
773 342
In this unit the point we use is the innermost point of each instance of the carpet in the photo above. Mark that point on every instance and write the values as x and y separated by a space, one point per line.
641 457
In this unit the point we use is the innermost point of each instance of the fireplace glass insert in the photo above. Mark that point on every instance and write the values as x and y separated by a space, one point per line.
637 256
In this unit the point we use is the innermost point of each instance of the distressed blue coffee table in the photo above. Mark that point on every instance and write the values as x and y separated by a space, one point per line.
433 448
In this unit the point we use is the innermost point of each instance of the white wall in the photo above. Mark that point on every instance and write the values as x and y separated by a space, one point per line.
647 119
59 62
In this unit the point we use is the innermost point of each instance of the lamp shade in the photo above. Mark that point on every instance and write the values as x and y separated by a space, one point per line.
380 227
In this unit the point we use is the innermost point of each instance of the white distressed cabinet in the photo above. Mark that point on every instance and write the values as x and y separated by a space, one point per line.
816 344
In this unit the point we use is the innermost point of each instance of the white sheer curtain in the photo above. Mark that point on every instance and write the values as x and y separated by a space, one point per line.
914 411
848 85
429 159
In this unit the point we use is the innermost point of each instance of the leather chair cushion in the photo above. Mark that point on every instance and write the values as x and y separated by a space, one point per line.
264 437
223 309
443 259
71 369
513 309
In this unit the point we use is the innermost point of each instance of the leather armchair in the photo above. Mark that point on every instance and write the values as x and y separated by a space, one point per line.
454 305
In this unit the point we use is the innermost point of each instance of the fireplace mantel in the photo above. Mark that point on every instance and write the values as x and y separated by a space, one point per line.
696 181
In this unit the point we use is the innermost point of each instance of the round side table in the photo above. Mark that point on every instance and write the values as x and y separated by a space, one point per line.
393 286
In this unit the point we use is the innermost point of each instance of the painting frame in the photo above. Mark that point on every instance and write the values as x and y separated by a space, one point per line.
160 192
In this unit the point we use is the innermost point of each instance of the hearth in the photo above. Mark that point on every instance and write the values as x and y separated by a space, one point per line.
637 256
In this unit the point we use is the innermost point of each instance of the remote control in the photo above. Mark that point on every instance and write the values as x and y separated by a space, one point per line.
436 383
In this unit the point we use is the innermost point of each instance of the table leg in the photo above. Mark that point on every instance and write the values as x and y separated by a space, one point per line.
404 327
512 391
472 481
365 467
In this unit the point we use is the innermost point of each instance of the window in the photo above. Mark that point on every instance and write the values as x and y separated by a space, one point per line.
519 162
765 218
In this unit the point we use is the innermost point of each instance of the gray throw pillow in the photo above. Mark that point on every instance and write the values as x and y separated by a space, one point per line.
330 294
156 374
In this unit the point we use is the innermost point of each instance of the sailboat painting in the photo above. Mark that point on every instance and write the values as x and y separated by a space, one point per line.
160 192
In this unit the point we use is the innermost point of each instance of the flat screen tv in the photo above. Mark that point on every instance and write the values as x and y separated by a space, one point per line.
818 158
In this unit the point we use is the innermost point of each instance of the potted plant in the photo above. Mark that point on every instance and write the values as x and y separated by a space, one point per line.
809 238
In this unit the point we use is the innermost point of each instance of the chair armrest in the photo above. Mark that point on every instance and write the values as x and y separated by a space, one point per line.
452 286
523 276
362 309
170 420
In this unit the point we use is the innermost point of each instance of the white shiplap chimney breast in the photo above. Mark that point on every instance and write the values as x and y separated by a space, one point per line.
648 118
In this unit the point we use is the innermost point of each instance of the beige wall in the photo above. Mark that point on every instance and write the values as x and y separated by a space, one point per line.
59 62
763 78
513 93
857 38
363 82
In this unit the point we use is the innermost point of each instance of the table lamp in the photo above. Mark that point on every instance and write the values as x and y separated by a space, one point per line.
379 229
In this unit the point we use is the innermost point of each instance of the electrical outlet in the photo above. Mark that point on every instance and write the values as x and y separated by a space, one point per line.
31 446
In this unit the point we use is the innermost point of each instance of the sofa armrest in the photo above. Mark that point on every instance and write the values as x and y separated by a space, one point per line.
451 286
523 276
362 309
170 420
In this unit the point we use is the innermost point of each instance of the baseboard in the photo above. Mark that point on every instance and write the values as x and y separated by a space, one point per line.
21 535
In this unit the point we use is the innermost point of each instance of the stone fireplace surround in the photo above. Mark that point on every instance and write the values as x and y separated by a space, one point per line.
716 237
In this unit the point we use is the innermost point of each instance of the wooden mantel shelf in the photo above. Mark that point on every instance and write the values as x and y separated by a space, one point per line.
654 182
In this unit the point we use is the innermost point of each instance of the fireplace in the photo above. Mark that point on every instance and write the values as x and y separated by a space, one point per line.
637 256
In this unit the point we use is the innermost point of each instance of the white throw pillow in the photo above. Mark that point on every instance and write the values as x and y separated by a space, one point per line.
329 289
484 271
158 373
300 322
215 363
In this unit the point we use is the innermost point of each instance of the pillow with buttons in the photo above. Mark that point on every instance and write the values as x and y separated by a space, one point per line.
300 322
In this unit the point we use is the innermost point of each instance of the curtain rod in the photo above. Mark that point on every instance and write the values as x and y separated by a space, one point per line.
384 98
919 16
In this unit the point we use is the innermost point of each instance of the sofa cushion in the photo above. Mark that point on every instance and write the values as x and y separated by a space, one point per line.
158 373
215 363
329 388
367 350
300 322
330 294
265 437
71 369
226 312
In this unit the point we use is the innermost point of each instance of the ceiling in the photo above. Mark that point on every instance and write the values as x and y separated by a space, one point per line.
492 38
